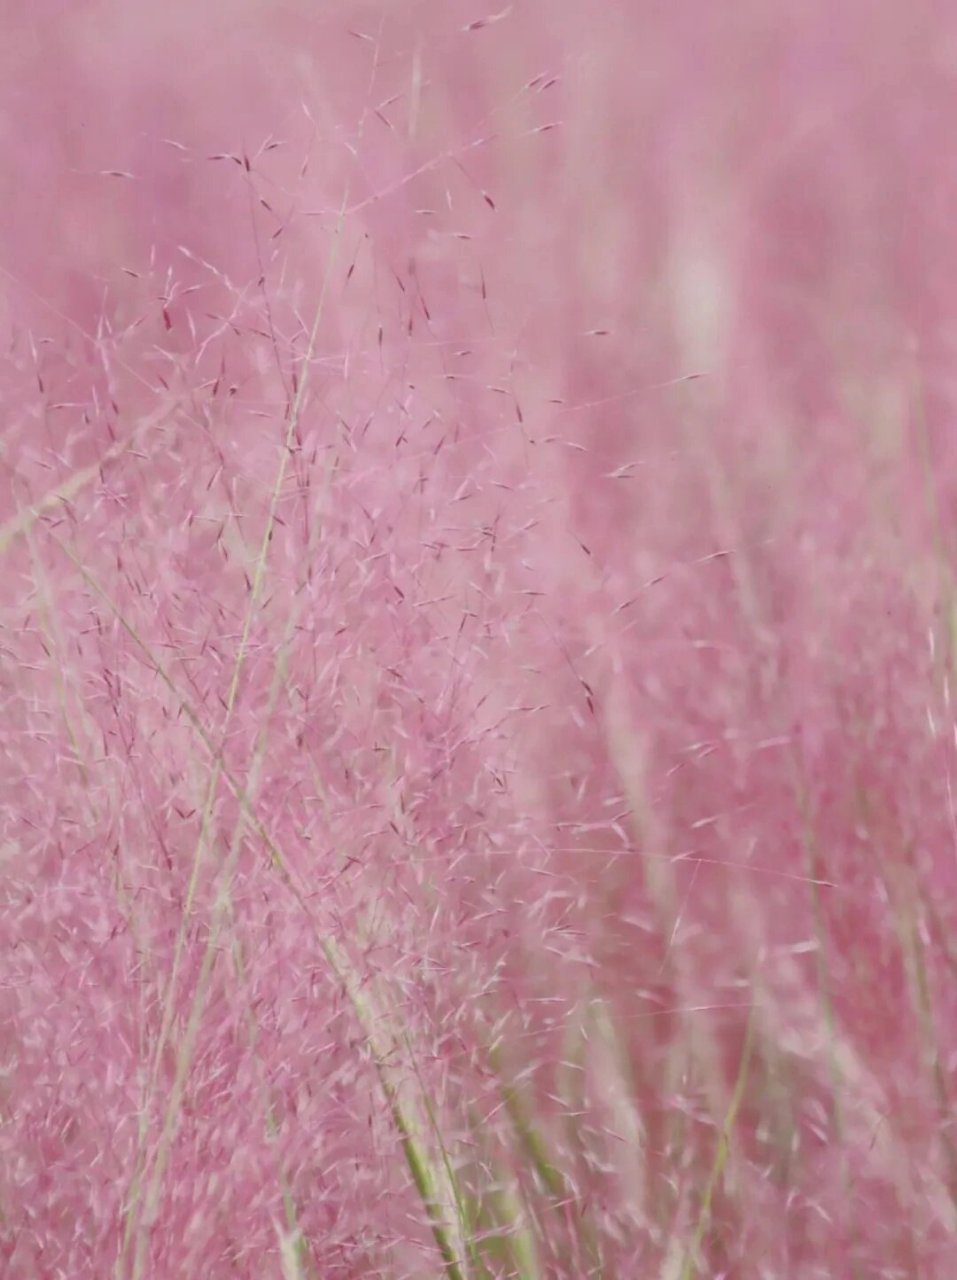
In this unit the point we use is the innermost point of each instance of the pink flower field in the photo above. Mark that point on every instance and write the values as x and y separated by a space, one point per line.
478 640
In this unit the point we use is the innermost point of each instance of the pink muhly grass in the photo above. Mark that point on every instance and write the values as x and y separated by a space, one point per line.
477 643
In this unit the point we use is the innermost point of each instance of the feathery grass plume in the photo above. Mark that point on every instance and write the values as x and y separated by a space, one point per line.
477 641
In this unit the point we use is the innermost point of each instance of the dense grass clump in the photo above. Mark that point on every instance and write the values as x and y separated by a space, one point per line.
477 640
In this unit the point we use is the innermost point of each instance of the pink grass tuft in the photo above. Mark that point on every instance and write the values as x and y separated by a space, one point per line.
477 638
